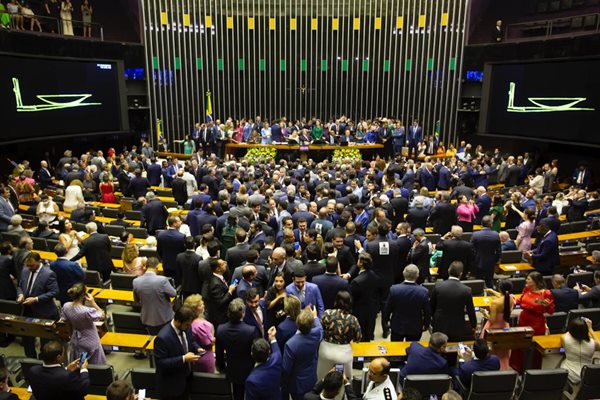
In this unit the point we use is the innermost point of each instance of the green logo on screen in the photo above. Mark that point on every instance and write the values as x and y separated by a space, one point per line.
545 104
51 101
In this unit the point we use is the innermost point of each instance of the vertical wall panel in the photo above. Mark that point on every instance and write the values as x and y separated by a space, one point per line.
360 58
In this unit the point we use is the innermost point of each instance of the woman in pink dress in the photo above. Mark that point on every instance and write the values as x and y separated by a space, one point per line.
499 316
84 336
465 213
133 264
204 334
525 228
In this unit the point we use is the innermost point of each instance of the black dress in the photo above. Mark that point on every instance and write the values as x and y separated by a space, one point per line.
275 314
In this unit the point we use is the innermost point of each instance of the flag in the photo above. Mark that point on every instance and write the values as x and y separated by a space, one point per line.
208 107
158 130
436 131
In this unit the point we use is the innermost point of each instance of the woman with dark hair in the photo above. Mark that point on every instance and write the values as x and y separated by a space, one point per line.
68 237
340 329
84 338
525 228
498 317
274 299
465 213
535 301
497 213
580 342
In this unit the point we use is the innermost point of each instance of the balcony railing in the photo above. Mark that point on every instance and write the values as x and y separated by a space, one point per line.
566 26
50 25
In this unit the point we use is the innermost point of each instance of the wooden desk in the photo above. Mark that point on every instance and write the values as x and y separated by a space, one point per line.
366 351
168 189
549 344
104 205
25 395
516 268
27 326
118 263
484 301
125 342
111 296
576 235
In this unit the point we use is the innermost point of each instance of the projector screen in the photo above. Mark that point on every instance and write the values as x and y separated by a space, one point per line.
547 100
46 97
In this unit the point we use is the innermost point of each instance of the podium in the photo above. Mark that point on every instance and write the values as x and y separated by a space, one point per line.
513 338
36 327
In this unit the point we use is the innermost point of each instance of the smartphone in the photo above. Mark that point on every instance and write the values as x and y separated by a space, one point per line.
83 358
461 346
578 285
296 246
235 281
339 368
141 394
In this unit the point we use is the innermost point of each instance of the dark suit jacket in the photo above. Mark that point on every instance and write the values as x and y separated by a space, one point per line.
545 257
67 273
138 186
56 383
236 255
154 172
186 265
96 250
419 255
408 303
236 339
442 217
465 370
384 265
576 210
552 222
487 248
346 261
423 360
315 393
565 299
513 174
417 218
450 301
591 298
312 269
44 288
454 250
365 295
154 216
264 382
8 291
217 300
329 285
172 374
285 330
260 282
169 244
8 396
249 319
400 205
300 360
179 187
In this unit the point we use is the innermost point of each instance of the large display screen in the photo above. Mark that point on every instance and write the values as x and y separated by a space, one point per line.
549 100
44 97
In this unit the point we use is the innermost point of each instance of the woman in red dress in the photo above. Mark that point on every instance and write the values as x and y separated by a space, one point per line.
107 188
535 301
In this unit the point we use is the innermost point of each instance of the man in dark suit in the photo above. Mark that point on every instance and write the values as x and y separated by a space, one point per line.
419 254
236 255
235 338
179 186
545 256
256 312
443 215
365 294
488 249
330 283
497 34
415 134
386 255
175 351
483 361
417 216
67 273
154 173
408 304
577 207
483 202
590 297
52 381
551 220
344 256
453 248
6 209
44 175
426 360
186 267
313 266
218 294
513 173
170 243
154 214
565 298
260 274
279 264
264 382
36 291
138 186
400 206
331 386
450 301
8 290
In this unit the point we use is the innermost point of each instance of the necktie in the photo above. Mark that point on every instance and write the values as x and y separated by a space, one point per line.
580 177
183 341
29 284
260 324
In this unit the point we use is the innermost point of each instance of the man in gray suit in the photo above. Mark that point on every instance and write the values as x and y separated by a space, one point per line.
6 209
154 293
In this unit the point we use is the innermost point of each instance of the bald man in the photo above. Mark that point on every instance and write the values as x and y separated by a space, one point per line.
454 248
279 263
247 281
565 298
380 383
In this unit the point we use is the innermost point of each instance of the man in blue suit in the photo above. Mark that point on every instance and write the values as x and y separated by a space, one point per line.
545 256
170 243
468 364
444 178
287 328
67 273
487 247
426 360
427 178
308 293
300 355
408 303
175 351
256 312
264 382
329 283
415 133
235 338
154 214
37 291
6 209
565 298
154 172
483 202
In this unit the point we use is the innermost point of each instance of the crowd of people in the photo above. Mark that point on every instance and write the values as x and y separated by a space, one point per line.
282 265
44 16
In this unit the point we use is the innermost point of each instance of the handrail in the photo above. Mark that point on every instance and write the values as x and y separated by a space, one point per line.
550 28
96 27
